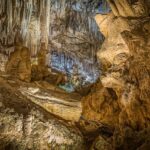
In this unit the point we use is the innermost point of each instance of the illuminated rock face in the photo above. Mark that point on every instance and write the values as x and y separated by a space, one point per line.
117 108
34 132
61 26
25 125
66 108
19 64
121 98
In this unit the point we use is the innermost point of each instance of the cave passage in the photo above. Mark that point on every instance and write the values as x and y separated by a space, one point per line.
62 37
74 74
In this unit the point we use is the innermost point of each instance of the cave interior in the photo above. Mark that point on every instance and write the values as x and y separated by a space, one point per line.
74 74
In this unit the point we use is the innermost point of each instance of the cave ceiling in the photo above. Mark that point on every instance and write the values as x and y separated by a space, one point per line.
65 26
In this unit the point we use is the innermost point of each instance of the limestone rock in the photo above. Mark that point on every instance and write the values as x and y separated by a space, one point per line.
101 105
40 70
127 8
66 108
101 144
34 132
3 62
24 125
19 64
121 98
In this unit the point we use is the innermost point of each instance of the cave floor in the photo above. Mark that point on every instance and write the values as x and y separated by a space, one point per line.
51 101
23 97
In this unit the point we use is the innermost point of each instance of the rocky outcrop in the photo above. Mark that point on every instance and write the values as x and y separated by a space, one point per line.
101 144
121 98
25 125
39 67
34 132
116 111
62 25
67 108
126 8
19 64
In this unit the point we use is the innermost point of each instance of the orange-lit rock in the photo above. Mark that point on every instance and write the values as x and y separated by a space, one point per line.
19 64
126 50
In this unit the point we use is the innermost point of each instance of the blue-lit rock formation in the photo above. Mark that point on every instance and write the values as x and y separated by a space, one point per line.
64 26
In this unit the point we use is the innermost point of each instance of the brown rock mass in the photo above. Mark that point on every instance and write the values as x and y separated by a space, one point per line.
121 100
19 64
49 63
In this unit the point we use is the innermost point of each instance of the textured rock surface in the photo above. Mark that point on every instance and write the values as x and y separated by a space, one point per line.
61 25
34 132
116 112
19 64
101 144
24 125
121 98
66 108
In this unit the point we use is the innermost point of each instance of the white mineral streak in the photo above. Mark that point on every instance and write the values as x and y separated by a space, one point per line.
45 21
35 129
27 13
17 16
3 60
25 17
68 109
61 26
9 15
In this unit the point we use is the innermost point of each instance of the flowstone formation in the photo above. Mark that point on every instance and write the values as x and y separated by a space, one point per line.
26 120
121 99
40 70
64 26
19 64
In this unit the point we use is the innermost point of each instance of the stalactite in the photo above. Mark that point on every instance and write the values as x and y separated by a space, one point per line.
37 21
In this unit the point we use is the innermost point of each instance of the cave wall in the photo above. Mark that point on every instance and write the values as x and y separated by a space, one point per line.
64 26
120 100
